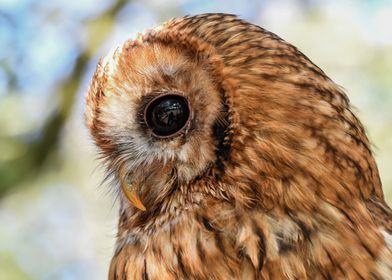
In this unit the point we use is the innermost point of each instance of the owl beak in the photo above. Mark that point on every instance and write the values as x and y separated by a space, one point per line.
131 192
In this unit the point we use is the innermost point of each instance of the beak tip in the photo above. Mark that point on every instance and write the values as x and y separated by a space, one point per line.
133 197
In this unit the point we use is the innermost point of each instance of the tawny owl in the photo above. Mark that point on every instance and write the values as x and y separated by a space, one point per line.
235 157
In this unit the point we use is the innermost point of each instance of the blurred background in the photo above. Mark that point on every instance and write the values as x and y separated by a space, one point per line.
56 221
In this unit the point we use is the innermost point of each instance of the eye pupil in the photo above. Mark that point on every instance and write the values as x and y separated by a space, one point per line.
167 115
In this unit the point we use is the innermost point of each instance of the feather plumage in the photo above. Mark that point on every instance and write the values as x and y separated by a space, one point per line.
273 177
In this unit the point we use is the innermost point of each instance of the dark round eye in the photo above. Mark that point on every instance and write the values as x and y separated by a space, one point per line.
167 115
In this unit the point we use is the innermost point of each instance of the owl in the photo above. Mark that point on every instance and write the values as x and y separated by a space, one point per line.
234 157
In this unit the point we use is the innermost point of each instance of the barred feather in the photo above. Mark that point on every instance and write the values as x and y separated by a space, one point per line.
273 179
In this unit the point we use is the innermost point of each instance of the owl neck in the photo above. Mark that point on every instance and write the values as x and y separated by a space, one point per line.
245 243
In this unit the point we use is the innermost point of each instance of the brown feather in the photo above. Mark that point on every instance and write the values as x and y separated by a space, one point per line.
273 179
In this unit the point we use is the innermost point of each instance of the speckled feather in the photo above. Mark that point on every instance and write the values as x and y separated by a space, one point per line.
273 179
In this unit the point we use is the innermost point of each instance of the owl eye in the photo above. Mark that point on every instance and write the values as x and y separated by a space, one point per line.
167 115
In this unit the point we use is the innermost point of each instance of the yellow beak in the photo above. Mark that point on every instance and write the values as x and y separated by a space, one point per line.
131 191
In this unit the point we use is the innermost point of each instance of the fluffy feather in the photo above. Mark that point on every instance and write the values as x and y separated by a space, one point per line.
273 178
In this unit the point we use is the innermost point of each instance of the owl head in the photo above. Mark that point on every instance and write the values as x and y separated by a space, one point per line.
212 106
158 110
